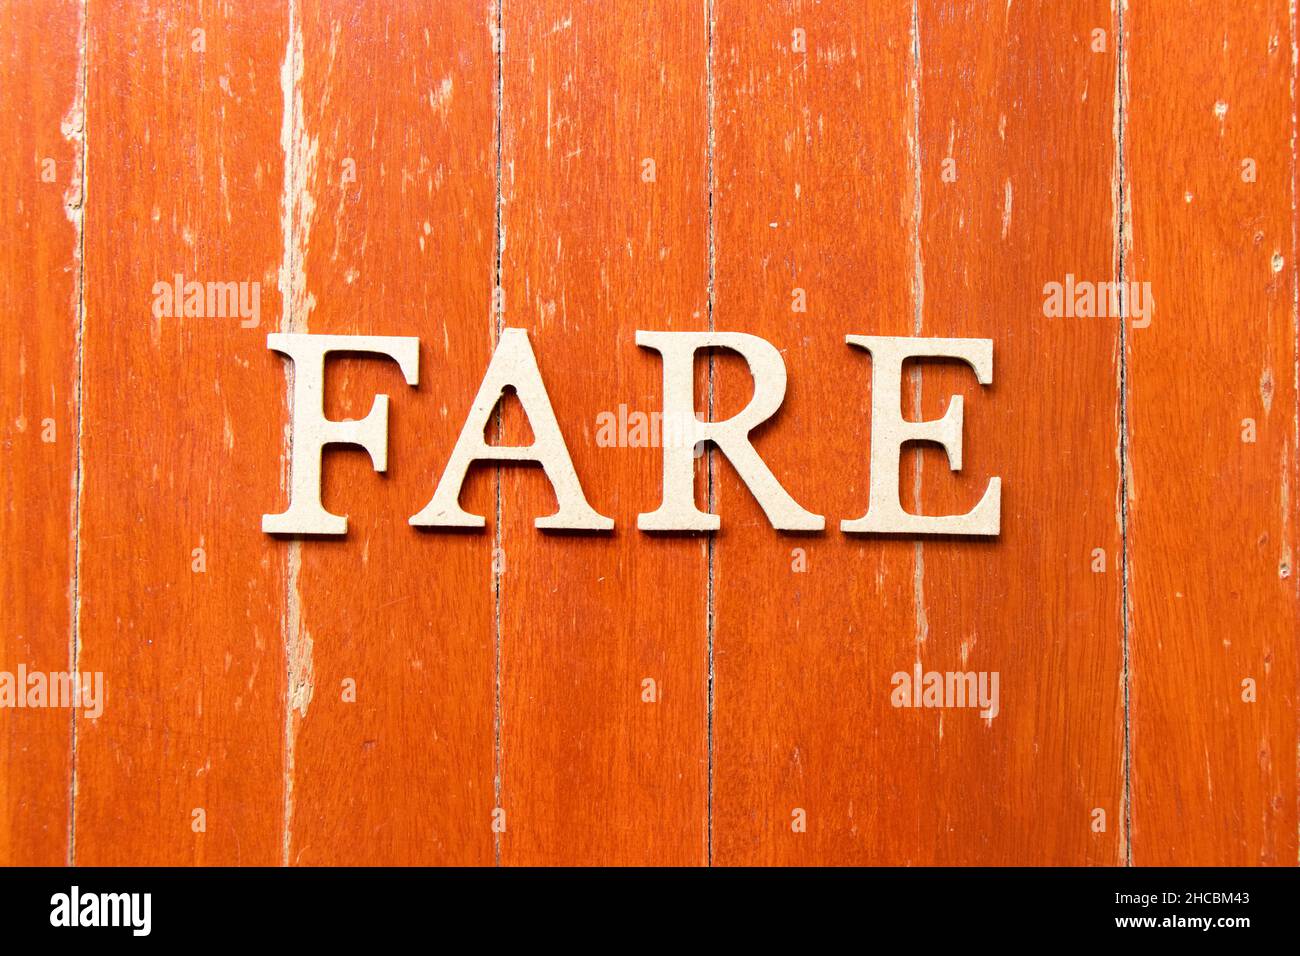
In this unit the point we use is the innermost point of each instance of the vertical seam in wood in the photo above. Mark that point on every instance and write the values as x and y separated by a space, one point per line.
1118 198
1294 503
78 217
712 538
498 320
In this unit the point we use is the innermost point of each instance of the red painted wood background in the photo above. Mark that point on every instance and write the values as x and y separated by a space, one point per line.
582 170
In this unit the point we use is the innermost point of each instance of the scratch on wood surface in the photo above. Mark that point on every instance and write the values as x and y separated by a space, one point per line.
440 99
918 296
1006 208
1285 560
297 208
302 679
73 128
297 205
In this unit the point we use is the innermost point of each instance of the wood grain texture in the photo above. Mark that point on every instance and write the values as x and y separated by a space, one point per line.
181 441
404 774
1211 540
1022 99
813 191
592 252
582 170
40 282
804 675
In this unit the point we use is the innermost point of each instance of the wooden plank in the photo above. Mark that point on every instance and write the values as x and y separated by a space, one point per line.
180 441
1211 538
593 252
813 664
813 191
1041 605
40 284
404 773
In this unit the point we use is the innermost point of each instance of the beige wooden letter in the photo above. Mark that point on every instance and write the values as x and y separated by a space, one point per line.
513 364
678 511
312 431
889 430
